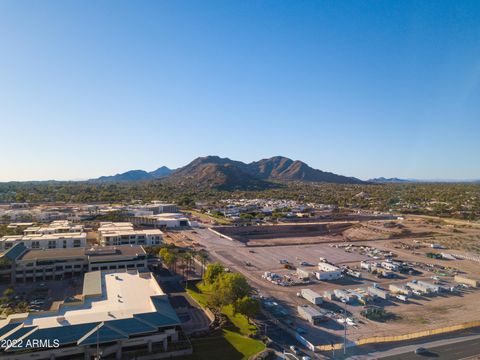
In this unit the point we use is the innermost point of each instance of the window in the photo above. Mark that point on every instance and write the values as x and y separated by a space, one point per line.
77 243
52 244
35 244
64 244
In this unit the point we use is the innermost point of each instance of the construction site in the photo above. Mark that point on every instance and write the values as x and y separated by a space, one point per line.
376 277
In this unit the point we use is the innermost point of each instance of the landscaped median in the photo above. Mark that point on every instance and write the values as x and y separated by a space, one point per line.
231 342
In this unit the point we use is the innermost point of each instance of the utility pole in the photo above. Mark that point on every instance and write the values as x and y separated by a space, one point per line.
345 329
97 328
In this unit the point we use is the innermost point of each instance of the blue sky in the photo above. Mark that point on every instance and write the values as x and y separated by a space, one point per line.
366 89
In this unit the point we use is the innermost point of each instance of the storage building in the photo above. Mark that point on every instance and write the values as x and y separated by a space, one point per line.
312 315
466 280
311 296
382 294
399 289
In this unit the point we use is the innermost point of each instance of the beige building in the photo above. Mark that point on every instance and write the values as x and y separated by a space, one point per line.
123 233
466 280
60 234
21 265
120 315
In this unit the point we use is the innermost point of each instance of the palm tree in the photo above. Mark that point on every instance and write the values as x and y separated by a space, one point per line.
187 257
202 255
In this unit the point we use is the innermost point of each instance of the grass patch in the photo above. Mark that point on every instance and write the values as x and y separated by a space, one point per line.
246 346
200 292
232 343
226 345
239 321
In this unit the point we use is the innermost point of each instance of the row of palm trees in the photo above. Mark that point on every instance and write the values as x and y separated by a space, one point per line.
175 259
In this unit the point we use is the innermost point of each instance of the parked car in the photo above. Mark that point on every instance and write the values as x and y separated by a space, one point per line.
294 349
420 351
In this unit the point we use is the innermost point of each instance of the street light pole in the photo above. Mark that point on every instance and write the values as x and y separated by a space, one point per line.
345 329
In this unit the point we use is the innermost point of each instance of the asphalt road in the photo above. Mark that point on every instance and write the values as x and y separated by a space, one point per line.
455 351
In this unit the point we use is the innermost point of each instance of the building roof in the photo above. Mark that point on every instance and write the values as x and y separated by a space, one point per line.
47 254
125 229
129 303
104 333
96 254
55 236
92 284
15 252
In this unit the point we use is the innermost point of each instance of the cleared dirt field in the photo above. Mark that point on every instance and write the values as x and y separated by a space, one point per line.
261 248
272 235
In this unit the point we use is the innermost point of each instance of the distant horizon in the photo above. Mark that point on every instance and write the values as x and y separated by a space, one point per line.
363 89
79 179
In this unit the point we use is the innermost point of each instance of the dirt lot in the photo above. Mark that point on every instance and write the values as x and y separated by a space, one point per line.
272 235
409 239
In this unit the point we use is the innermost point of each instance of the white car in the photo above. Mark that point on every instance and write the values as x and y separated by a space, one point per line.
294 349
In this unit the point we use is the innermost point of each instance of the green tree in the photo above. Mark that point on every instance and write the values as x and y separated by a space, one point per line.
247 306
8 292
167 256
213 271
231 287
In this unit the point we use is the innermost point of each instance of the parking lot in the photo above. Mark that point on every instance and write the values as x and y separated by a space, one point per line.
42 296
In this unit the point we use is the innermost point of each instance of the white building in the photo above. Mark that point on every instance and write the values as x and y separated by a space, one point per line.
124 315
153 208
57 235
311 296
123 233
55 227
328 272
164 221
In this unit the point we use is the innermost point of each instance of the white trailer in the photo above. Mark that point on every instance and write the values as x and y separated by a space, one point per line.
375 291
328 275
311 296
399 289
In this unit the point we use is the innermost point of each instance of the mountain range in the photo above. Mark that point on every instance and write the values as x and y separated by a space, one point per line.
135 175
226 174
383 180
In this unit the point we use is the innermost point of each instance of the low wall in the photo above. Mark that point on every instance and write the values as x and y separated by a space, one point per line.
405 337
220 234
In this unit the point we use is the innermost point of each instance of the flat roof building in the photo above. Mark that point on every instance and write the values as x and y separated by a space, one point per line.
328 272
22 265
45 241
123 233
57 234
311 314
123 314
55 227
163 221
